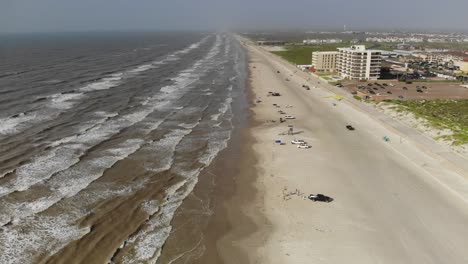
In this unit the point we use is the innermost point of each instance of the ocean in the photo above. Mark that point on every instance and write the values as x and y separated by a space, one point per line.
103 135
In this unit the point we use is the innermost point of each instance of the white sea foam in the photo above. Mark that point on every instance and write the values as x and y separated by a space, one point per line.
105 114
2 174
68 150
225 106
69 182
18 246
215 117
64 101
10 125
160 149
147 243
41 168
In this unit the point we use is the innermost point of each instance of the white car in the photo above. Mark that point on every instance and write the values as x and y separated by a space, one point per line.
289 117
303 146
297 141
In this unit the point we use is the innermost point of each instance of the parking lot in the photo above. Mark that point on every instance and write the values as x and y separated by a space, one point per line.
381 90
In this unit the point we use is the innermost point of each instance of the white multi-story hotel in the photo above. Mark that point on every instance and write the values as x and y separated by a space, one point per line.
324 60
358 63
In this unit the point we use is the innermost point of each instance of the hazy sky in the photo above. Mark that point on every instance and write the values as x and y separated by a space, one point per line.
84 15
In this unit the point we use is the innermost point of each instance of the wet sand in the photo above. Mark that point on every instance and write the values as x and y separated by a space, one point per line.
222 211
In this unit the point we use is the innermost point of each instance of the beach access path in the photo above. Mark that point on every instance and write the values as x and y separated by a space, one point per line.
394 202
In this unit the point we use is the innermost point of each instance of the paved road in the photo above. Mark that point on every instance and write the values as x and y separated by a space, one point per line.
386 205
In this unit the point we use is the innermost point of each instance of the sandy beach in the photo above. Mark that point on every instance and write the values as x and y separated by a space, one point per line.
393 201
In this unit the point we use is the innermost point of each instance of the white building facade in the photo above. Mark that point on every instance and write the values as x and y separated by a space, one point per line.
358 63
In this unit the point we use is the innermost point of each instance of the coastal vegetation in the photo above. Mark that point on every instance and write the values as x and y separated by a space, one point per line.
302 54
441 114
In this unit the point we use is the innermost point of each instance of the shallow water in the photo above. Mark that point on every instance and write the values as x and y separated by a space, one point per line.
103 136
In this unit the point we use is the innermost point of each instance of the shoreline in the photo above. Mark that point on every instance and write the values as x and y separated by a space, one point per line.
260 211
227 187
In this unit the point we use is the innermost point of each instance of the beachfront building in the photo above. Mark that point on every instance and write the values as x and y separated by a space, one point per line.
358 63
324 61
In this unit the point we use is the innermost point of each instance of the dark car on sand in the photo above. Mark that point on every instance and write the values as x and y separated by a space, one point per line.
320 198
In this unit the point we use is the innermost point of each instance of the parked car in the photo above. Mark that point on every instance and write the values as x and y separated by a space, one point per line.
303 146
289 117
369 84
389 92
297 141
349 127
320 198
405 88
400 96
384 84
339 85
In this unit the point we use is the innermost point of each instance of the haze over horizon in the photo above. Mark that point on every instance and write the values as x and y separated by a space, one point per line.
87 15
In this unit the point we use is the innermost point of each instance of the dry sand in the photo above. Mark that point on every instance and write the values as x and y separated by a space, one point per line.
394 203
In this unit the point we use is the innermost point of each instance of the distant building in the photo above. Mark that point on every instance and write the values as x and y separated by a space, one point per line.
395 39
438 57
321 41
437 40
358 63
324 60
463 65
271 43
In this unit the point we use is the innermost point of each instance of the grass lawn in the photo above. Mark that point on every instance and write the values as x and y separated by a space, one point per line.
302 54
443 114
